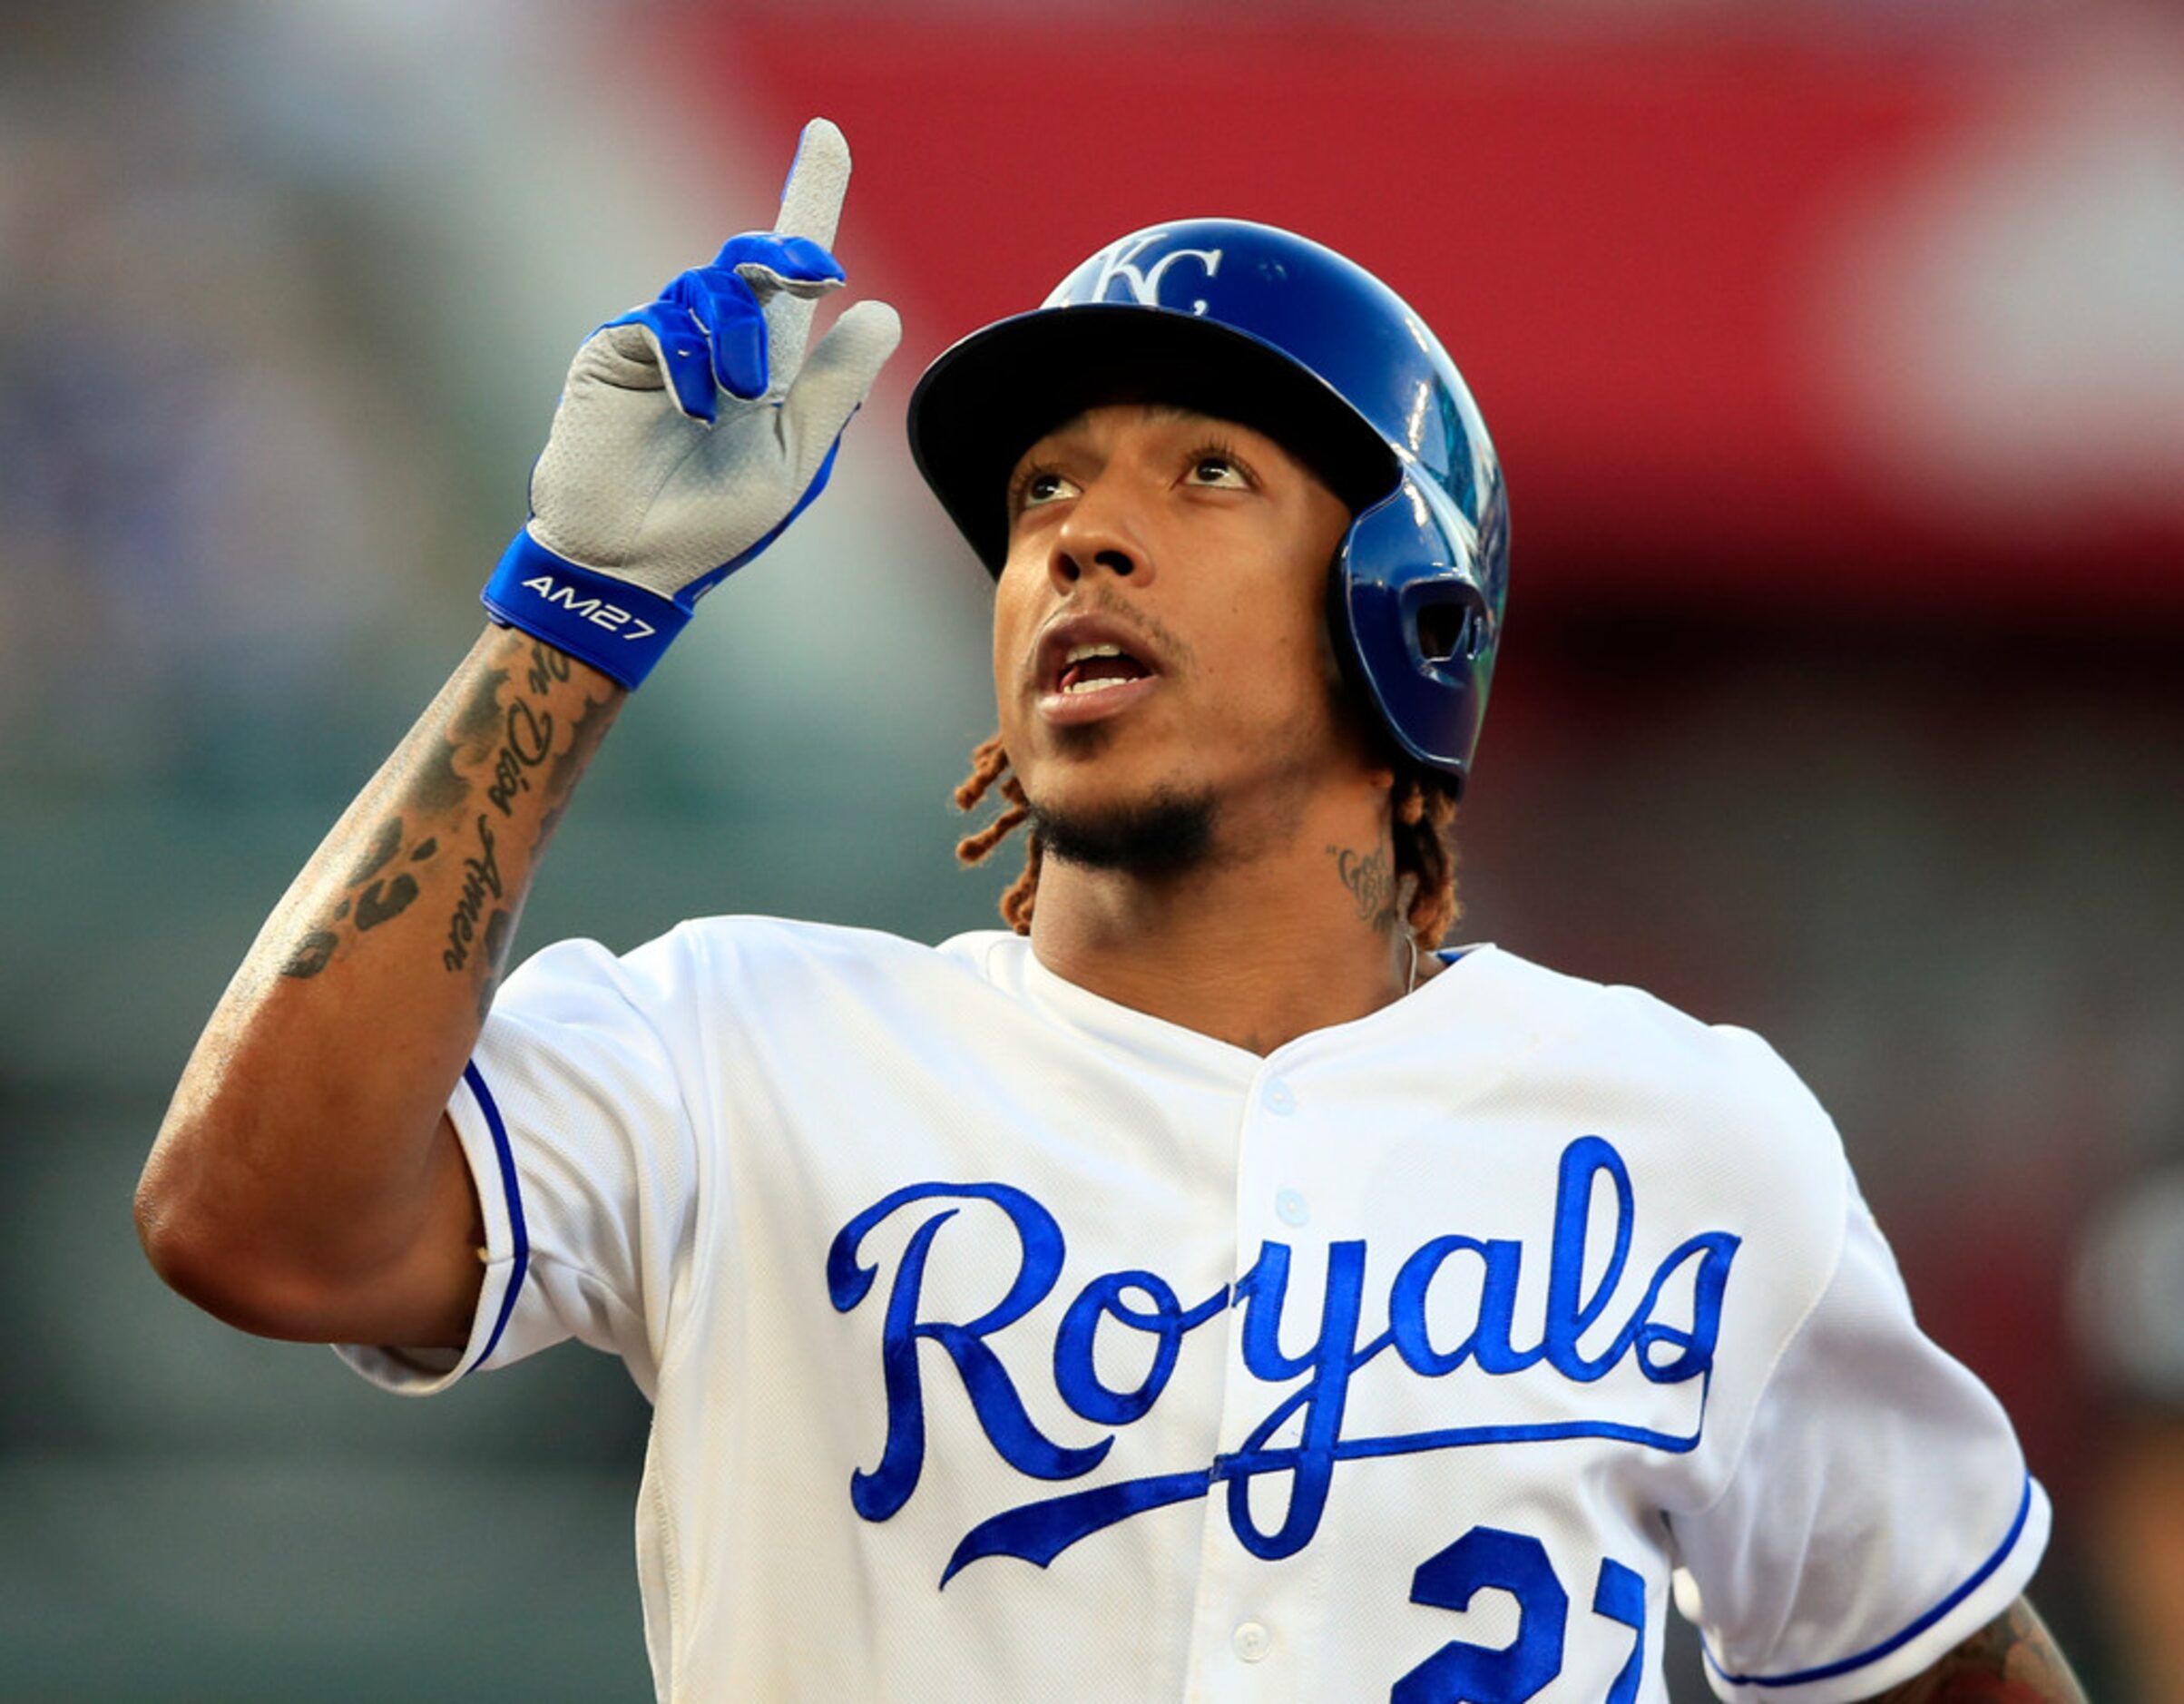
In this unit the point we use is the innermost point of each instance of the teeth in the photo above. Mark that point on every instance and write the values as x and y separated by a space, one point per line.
1076 686
1081 653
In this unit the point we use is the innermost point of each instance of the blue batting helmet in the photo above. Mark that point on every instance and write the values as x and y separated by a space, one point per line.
1259 326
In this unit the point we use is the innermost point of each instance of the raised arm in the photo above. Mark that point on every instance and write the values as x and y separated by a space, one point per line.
307 1181
2011 1661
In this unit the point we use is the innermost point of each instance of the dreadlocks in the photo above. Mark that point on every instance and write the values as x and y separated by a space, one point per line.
989 766
1425 810
1422 806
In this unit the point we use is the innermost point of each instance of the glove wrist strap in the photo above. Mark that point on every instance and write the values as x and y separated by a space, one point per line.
620 629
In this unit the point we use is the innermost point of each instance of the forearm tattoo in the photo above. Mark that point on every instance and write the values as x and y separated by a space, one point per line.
2011 1661
503 742
372 894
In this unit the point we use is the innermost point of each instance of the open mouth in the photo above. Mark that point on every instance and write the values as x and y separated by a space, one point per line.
1091 667
1097 668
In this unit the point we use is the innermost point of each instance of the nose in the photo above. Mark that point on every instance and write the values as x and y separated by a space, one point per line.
1097 537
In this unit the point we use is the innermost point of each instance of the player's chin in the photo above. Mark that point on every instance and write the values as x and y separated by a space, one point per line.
1105 766
1109 762
1149 832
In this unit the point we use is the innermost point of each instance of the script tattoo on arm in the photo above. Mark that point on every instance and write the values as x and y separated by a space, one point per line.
1370 877
524 735
2011 1661
489 787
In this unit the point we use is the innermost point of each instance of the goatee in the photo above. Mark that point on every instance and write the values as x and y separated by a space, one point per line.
1164 835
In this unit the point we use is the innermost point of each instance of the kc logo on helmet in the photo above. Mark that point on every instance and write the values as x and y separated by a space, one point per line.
1120 262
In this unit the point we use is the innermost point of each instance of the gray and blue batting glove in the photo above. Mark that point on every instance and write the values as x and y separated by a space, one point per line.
691 432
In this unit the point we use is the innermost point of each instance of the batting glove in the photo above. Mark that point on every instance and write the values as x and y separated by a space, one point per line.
691 432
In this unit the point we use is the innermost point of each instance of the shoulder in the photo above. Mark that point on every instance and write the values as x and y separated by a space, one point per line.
774 965
1625 1060
1616 1028
756 944
736 947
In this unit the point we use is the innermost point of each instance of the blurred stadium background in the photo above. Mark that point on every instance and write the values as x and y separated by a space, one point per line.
1836 350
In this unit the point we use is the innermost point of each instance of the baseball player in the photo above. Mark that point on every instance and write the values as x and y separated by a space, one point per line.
1209 1287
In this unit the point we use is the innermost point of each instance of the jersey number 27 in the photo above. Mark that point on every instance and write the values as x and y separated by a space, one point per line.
1486 1556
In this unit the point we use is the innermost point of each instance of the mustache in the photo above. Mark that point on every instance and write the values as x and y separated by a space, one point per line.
1176 655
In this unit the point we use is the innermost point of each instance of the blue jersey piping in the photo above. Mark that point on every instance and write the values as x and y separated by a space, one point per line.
1829 1670
521 1259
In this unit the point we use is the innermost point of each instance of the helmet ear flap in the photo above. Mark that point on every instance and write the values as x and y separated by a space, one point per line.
1349 660
1417 625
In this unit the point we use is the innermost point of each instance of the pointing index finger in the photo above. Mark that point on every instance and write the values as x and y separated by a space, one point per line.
818 177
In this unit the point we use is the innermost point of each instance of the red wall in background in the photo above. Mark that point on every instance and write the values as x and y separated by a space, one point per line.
1630 247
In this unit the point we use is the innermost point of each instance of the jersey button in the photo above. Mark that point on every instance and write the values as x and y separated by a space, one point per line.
1252 1641
1278 1097
1291 1207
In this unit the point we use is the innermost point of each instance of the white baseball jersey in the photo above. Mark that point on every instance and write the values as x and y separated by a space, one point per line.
1005 1342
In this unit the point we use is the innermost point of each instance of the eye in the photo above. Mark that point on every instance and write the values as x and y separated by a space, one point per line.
1037 485
1219 469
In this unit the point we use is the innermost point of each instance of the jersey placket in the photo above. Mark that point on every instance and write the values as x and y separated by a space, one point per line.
1256 1622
